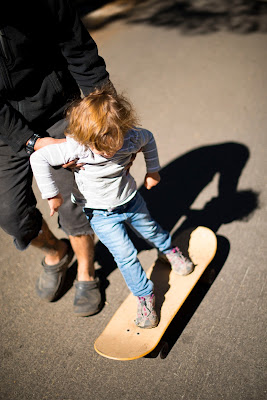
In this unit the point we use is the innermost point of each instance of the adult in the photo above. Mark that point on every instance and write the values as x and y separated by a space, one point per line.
47 58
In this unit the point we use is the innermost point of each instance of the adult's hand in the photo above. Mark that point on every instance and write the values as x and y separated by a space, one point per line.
73 165
46 141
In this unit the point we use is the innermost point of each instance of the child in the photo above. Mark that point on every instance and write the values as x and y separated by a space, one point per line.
101 135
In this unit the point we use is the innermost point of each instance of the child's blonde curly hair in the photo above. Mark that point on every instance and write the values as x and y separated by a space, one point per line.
101 120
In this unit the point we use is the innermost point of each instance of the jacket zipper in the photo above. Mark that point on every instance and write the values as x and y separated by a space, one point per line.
3 61
3 45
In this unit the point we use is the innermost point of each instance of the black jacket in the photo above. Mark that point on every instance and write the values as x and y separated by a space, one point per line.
46 57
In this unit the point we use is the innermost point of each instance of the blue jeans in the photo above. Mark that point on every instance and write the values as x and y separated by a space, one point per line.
111 231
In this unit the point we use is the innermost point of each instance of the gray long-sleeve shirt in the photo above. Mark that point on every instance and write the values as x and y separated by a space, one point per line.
104 182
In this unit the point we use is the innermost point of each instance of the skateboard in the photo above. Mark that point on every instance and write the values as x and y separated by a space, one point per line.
122 339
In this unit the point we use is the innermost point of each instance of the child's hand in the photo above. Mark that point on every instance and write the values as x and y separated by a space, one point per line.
151 179
54 203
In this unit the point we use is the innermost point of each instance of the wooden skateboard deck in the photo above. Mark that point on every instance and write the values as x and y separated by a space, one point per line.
122 339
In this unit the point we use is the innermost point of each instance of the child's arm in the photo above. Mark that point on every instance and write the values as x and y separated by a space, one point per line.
54 203
42 142
41 162
149 148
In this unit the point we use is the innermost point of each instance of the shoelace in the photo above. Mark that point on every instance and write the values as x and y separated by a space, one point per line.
177 250
146 305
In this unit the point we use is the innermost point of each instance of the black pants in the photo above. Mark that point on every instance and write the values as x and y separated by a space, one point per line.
19 216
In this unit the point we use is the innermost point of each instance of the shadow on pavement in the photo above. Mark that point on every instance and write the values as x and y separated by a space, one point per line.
189 16
181 182
204 16
87 6
194 299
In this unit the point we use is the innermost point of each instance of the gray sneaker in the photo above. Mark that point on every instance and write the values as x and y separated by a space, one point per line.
146 313
180 264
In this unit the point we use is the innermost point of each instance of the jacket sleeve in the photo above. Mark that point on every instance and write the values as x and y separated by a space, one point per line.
84 63
79 49
11 122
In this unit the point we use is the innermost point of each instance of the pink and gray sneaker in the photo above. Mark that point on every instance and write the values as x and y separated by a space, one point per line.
180 264
146 313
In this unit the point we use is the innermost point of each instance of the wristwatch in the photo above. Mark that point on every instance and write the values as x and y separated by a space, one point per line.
31 143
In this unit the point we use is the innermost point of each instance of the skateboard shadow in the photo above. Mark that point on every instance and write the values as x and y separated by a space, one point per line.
160 278
188 309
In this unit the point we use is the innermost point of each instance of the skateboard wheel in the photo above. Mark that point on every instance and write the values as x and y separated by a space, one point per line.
164 350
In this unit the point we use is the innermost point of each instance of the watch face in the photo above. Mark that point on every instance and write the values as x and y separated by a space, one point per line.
29 150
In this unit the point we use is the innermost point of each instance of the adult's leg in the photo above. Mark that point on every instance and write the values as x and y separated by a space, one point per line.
83 247
72 220
19 216
71 217
54 248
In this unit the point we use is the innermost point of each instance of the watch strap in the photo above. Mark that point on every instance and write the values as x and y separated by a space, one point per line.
31 143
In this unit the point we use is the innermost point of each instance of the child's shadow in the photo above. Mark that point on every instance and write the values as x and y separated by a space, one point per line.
182 181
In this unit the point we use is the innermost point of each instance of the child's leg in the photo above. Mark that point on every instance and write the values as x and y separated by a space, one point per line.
110 229
141 221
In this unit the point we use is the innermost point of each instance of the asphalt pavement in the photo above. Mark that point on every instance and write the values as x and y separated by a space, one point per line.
203 95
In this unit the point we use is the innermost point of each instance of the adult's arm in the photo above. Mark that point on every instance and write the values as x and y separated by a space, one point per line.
78 47
84 63
12 122
15 131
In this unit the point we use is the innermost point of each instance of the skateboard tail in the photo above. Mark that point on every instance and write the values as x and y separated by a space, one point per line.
122 358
